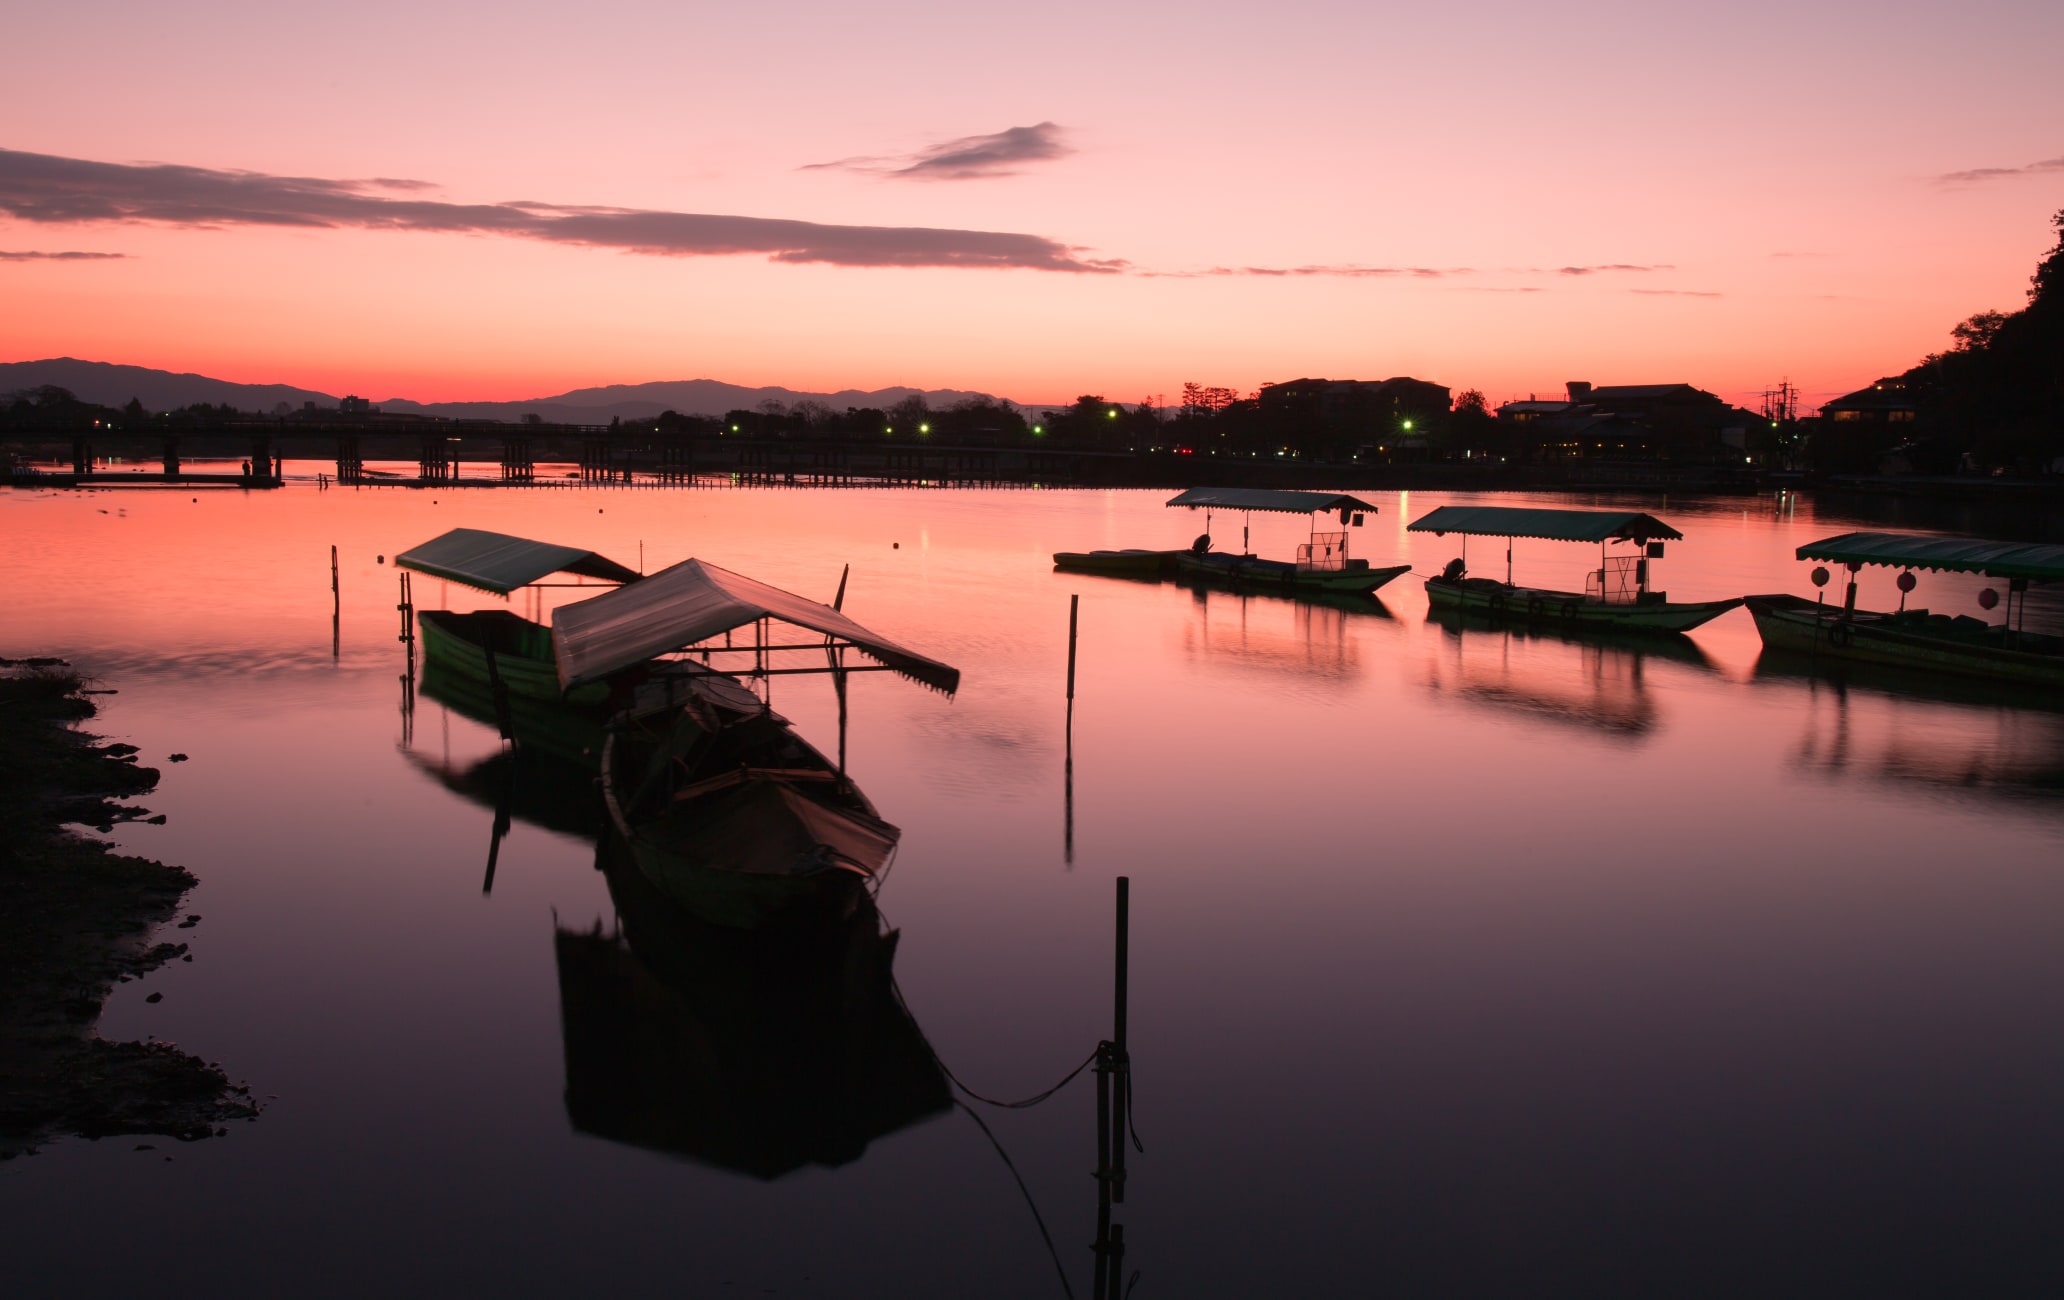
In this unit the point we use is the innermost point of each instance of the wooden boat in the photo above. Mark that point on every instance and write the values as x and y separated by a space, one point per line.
1322 564
717 799
732 814
754 1053
1919 638
1616 594
1127 563
499 648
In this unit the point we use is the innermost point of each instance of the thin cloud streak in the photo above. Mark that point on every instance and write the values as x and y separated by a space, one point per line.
969 158
1347 271
6 256
1675 293
2047 166
1598 270
53 190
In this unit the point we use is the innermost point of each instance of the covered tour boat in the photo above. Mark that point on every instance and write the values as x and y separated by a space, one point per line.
1322 564
1921 638
1616 594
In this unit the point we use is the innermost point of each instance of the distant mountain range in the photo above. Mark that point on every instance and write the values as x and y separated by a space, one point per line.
162 390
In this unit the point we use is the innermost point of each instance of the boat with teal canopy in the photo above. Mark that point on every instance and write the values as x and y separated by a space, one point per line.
1616 595
1923 638
1322 566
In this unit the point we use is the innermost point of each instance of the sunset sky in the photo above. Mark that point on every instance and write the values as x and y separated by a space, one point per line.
499 201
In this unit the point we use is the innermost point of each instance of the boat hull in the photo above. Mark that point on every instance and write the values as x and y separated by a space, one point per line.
1277 575
768 833
489 644
1912 640
1128 563
1567 609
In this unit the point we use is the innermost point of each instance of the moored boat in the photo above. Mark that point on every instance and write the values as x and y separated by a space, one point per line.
497 647
1616 594
1323 564
1132 563
732 814
1921 638
720 803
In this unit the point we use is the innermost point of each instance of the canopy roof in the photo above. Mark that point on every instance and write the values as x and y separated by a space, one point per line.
500 563
1296 503
692 602
1554 525
2043 563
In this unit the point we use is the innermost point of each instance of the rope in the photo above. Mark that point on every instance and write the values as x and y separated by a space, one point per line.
1030 1204
896 987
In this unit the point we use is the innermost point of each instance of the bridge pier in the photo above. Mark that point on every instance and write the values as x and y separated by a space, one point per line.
82 457
171 455
350 464
518 464
262 465
436 462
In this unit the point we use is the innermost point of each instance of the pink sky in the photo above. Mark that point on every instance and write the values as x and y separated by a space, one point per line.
1758 190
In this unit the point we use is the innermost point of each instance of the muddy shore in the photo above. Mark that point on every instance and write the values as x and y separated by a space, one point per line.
76 919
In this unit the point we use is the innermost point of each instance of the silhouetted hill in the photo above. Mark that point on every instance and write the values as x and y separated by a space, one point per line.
161 390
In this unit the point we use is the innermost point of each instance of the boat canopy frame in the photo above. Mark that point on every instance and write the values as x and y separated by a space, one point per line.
2034 562
1601 526
1278 501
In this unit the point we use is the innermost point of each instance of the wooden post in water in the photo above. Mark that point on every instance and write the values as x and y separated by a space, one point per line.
1121 1060
336 596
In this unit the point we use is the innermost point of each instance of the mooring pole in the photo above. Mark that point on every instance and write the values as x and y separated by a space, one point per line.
1074 612
336 595
1121 1060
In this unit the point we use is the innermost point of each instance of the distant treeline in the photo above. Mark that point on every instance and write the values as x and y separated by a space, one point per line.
1993 401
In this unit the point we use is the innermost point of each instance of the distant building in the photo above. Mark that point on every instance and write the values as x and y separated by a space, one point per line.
355 406
1886 402
1640 421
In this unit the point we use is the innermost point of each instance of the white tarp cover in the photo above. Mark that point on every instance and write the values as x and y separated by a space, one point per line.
692 602
500 563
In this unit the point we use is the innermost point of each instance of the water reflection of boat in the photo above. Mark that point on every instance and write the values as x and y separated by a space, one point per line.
497 645
1594 680
527 784
755 1053
1616 594
734 815
571 733
1958 738
1916 637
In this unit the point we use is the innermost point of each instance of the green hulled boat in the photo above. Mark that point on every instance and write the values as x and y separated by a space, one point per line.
1919 638
490 646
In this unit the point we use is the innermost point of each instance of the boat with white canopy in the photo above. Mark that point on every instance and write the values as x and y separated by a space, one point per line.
1617 594
720 803
1922 638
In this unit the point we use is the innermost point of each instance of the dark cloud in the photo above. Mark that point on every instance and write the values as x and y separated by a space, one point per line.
970 158
1345 270
1675 293
60 257
1602 269
48 189
2046 167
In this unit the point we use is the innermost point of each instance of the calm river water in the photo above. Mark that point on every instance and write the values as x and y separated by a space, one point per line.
1464 961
